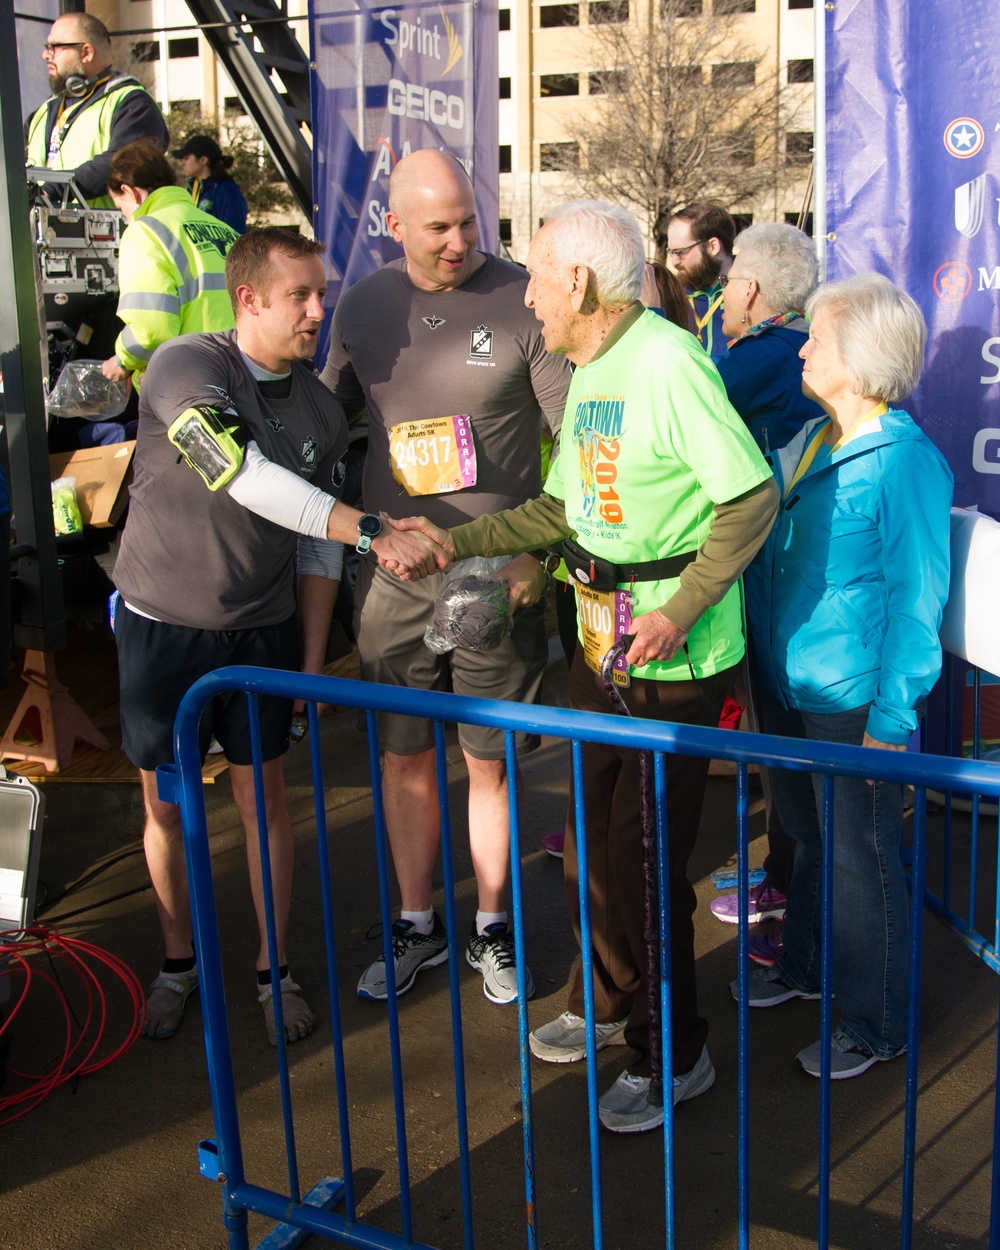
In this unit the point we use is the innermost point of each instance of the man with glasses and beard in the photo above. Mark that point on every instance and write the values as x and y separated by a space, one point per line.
94 109
700 249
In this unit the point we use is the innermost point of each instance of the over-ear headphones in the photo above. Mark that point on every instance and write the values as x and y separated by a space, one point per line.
76 86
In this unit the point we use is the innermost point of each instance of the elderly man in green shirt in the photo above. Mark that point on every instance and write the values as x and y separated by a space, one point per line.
665 498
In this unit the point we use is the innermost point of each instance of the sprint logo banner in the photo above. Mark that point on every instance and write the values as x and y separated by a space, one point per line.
913 191
388 80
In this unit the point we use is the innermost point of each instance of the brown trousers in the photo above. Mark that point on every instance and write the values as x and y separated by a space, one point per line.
614 845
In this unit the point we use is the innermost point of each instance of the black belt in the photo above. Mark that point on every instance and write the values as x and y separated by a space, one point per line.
604 574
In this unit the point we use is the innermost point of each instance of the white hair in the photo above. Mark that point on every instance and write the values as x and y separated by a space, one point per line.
880 334
781 259
606 239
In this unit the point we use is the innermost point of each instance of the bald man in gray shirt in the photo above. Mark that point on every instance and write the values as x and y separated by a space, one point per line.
451 367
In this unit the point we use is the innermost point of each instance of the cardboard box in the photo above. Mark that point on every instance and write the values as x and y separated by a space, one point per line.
102 477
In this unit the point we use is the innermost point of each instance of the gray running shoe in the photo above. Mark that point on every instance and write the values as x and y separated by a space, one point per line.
564 1040
768 990
847 1058
492 953
626 1108
412 952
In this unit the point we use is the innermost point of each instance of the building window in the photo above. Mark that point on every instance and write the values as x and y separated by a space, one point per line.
506 234
185 106
608 82
798 147
232 104
739 147
177 48
721 7
146 50
742 220
558 156
684 78
800 71
504 88
608 12
792 219
506 158
550 15
504 16
800 4
559 84
733 74
681 8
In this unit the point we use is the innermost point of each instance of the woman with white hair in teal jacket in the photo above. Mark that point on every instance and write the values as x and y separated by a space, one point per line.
844 604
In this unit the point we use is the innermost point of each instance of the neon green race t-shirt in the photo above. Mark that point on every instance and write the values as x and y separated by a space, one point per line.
649 444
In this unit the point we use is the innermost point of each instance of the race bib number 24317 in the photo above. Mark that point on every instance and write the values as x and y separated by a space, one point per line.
433 457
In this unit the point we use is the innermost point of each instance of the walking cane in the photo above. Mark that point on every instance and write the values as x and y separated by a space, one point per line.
650 900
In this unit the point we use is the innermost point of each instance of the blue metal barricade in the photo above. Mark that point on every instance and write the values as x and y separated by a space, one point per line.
298 1214
962 914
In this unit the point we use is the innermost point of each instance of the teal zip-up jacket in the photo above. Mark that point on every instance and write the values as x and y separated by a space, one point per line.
844 600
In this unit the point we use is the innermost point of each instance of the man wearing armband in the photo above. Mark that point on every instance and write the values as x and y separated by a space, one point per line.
451 367
665 498
237 462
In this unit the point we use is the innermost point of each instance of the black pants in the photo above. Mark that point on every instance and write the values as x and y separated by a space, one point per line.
614 845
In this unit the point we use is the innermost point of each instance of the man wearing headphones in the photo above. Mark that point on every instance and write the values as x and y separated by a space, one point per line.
93 110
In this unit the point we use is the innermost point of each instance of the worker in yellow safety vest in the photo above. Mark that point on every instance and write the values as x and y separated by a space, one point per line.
94 110
172 263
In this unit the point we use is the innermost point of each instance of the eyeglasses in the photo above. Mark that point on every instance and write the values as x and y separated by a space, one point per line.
50 48
725 279
677 252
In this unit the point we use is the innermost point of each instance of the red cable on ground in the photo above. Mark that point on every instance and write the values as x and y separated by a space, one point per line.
83 1041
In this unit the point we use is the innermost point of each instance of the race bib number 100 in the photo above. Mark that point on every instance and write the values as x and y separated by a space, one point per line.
433 457
605 616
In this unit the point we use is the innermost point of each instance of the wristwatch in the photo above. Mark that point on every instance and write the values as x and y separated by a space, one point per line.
369 527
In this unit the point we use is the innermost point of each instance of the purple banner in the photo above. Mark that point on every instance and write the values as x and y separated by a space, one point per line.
913 191
387 81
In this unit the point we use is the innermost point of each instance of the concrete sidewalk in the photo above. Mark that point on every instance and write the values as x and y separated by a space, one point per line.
112 1165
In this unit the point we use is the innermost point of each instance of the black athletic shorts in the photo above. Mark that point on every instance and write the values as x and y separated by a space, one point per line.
158 663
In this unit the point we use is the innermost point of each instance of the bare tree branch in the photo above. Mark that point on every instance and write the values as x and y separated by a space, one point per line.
686 111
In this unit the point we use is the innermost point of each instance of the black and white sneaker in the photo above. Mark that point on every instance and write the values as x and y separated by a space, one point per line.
412 952
492 953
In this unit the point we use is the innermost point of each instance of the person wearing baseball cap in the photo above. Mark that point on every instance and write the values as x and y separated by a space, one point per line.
209 182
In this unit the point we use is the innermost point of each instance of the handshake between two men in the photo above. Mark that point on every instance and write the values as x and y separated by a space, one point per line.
415 548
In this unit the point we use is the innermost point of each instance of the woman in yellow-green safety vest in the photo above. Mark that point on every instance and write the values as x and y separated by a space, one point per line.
172 263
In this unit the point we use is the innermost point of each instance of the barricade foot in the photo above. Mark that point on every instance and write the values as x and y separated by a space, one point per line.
324 1195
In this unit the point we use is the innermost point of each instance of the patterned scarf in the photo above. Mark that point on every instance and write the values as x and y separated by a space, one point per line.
781 319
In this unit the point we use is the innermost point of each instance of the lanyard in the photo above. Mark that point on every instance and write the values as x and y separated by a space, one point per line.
814 444
75 109
713 305
195 190
808 456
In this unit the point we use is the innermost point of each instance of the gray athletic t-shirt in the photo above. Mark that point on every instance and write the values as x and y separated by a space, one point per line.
413 355
195 557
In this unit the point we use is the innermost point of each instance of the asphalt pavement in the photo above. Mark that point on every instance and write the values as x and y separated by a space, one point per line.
111 1163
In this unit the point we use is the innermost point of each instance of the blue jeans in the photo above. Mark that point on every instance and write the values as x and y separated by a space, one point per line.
870 905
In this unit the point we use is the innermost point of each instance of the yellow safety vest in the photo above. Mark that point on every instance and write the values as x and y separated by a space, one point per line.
172 276
83 131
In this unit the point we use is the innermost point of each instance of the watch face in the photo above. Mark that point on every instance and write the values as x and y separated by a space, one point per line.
370 526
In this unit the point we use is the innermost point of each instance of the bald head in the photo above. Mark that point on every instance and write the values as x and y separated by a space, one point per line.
432 212
424 176
80 45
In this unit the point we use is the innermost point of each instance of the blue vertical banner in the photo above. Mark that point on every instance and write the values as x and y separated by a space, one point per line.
388 80
913 191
